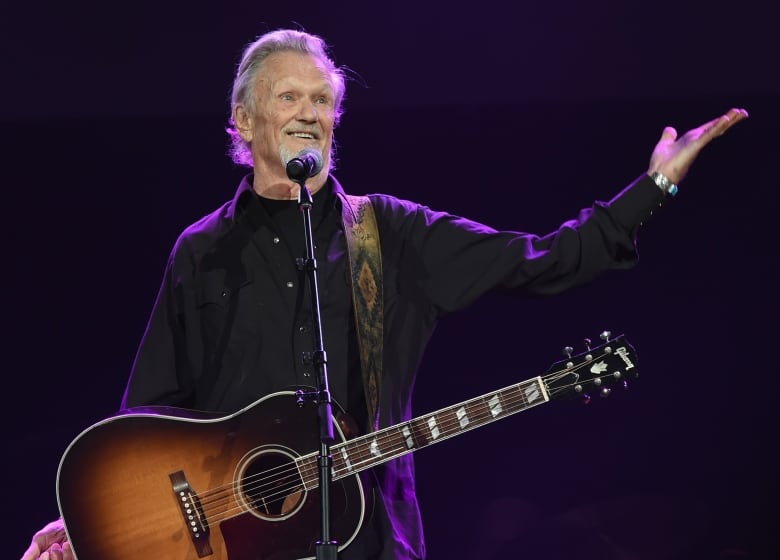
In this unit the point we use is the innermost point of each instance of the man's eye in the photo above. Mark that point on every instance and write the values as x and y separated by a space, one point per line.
287 97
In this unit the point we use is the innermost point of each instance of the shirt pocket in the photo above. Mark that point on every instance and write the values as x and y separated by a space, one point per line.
219 302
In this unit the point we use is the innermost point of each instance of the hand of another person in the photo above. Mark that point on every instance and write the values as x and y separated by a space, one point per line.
673 156
50 544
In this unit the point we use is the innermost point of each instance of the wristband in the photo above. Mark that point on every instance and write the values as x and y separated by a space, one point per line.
664 183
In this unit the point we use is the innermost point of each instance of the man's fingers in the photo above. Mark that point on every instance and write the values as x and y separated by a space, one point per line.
46 545
733 117
56 552
720 125
737 114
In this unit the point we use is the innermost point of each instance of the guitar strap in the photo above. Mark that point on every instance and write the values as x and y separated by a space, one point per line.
365 267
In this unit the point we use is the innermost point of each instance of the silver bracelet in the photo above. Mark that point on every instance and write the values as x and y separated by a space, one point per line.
664 183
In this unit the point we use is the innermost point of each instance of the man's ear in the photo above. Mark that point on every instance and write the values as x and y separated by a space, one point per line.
243 121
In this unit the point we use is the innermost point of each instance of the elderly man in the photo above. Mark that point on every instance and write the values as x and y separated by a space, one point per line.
234 315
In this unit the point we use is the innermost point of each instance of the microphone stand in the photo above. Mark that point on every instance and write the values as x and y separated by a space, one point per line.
327 548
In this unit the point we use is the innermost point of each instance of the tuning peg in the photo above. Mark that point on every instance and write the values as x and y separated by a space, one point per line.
605 336
567 350
587 344
605 391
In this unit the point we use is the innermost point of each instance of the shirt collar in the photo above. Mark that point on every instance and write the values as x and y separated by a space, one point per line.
244 193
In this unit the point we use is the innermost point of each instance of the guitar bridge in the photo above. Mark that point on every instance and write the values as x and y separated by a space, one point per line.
192 512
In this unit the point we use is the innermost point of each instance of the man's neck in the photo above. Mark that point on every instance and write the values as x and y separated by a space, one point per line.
285 189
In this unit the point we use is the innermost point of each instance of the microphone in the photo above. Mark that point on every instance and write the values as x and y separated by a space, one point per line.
306 164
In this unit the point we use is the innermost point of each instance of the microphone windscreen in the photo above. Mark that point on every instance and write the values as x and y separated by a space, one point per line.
306 164
315 157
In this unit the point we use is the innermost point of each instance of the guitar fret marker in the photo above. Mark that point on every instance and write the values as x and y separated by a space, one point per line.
407 433
462 417
531 393
495 406
345 456
433 427
374 448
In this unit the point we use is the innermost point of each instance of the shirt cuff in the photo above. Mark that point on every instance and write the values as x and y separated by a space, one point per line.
635 203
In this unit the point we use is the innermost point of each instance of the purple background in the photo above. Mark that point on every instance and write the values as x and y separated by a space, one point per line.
111 128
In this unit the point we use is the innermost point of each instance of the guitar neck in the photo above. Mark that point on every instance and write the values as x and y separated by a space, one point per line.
384 445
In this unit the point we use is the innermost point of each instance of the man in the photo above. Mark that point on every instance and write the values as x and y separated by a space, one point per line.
233 316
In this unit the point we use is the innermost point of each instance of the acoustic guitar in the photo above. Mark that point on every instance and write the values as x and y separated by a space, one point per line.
162 483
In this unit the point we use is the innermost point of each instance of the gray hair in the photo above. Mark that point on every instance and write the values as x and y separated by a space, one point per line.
281 40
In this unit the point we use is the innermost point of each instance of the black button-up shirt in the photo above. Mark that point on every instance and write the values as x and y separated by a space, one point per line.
233 315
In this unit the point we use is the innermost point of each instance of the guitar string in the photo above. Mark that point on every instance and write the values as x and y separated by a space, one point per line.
310 471
290 478
311 468
294 471
308 466
383 434
238 509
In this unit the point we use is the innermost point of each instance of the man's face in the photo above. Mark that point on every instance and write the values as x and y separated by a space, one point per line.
294 109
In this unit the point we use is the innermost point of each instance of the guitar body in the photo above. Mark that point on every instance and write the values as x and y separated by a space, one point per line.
156 484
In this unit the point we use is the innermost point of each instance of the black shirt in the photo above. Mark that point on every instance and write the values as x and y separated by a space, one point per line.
232 317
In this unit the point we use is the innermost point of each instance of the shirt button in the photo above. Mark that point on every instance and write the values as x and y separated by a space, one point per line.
289 284
276 240
306 374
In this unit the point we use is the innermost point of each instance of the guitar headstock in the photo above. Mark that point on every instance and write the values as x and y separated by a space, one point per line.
597 369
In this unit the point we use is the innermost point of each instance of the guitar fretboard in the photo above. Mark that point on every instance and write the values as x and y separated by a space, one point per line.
379 447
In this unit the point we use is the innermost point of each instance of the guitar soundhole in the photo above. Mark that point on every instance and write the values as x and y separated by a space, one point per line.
271 486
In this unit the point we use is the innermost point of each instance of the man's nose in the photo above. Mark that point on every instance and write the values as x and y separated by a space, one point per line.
307 112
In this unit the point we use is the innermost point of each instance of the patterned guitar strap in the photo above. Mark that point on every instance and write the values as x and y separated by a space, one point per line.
365 266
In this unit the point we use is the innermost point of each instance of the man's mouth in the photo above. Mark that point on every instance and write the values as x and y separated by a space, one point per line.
304 135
